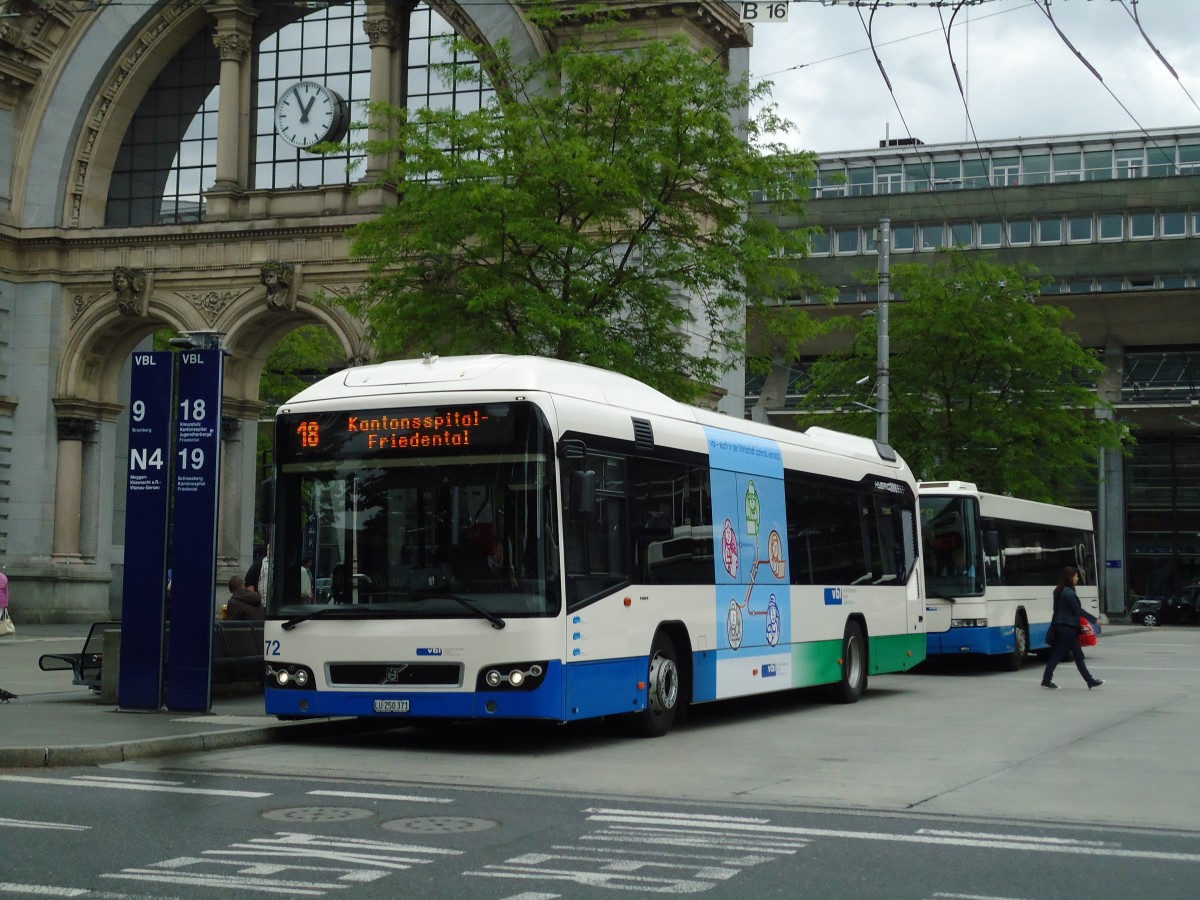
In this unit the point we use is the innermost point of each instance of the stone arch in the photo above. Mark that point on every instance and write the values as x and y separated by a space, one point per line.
252 329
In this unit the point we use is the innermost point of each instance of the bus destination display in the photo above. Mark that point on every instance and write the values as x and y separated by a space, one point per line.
396 432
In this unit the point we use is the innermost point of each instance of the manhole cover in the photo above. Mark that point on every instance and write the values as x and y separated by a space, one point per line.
317 814
439 825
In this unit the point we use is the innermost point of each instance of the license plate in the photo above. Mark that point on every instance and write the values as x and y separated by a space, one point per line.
391 706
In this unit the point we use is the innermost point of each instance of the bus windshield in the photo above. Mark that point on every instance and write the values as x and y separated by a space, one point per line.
427 512
953 561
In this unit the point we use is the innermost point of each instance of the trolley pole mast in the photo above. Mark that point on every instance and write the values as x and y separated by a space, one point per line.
883 345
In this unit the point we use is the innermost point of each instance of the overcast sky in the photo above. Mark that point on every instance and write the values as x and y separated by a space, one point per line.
1020 77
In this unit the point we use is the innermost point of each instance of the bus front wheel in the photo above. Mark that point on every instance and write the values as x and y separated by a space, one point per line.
663 689
854 665
1015 658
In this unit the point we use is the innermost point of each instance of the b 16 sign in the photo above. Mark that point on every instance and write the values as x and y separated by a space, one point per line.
755 13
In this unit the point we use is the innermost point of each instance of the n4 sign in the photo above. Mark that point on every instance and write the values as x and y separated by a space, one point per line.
756 12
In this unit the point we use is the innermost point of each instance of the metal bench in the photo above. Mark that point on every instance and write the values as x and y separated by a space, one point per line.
237 654
84 665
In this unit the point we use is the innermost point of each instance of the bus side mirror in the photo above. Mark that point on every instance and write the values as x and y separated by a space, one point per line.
583 494
991 543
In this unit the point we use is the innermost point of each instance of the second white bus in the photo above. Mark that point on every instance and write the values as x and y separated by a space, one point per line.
991 564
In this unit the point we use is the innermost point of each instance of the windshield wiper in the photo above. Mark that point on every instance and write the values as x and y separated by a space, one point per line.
496 621
322 613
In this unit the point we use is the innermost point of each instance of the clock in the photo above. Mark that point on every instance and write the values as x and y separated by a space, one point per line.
308 113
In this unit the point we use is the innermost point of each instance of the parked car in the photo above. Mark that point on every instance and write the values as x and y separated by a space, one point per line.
1145 611
1181 608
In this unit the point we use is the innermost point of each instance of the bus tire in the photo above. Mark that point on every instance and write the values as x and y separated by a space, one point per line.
1014 659
663 689
854 665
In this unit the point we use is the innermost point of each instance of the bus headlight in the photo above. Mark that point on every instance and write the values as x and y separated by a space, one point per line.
285 675
524 676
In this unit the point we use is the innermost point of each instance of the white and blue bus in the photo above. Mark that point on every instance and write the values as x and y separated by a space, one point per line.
523 537
991 563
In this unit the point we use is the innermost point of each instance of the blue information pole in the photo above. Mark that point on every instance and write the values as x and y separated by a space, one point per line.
147 500
194 561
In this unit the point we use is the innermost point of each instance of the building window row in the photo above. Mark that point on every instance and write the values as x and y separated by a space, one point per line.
1003 167
1040 231
868 293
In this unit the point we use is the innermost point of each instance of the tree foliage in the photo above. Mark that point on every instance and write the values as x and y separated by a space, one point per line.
595 209
986 385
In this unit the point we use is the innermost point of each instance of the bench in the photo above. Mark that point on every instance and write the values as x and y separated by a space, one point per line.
84 665
237 655
238 652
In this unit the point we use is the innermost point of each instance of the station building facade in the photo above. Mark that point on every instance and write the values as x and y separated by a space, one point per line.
1113 220
147 182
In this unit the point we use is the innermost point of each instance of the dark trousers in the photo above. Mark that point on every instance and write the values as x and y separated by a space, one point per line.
1066 646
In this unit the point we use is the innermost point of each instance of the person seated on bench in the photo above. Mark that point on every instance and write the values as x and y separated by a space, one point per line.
244 604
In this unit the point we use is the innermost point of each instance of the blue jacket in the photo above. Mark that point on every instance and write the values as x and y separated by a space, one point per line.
1068 610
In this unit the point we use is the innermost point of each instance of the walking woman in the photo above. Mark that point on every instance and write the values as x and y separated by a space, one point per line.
1065 625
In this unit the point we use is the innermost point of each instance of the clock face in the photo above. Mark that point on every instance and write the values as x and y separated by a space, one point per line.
309 113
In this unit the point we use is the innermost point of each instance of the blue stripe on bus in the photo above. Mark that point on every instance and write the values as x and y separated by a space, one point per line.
594 688
993 641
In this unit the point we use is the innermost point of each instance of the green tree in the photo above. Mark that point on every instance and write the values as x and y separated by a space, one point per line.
595 210
986 384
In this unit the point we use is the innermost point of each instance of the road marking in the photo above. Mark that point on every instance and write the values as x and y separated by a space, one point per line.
763 829
1044 840
363 795
639 863
31 823
290 863
162 787
41 890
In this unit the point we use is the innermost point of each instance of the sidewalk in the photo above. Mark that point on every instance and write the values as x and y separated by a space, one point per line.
55 723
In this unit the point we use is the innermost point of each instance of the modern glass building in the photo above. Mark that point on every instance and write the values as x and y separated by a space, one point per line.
1113 220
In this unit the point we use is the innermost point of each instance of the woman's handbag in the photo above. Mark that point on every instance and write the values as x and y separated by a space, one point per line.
1087 634
6 622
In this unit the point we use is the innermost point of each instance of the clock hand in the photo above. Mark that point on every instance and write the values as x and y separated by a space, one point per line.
305 107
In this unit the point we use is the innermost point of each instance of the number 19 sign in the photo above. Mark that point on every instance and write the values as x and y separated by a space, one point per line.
197 482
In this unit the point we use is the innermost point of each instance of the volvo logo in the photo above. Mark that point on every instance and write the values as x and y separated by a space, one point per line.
392 675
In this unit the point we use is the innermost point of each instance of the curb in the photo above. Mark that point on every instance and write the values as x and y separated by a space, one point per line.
151 748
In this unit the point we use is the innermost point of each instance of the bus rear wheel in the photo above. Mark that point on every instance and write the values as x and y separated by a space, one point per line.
854 665
663 690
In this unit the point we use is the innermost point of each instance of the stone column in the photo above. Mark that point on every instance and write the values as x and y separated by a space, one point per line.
1110 543
233 42
68 486
387 26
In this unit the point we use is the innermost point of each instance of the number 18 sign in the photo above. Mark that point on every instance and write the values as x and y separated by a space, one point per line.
197 482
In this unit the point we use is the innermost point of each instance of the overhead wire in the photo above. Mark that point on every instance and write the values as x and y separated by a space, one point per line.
1138 22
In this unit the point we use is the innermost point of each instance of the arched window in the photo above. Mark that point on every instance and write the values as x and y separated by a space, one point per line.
168 157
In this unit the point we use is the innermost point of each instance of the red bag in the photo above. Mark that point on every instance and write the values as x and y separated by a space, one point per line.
1087 634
